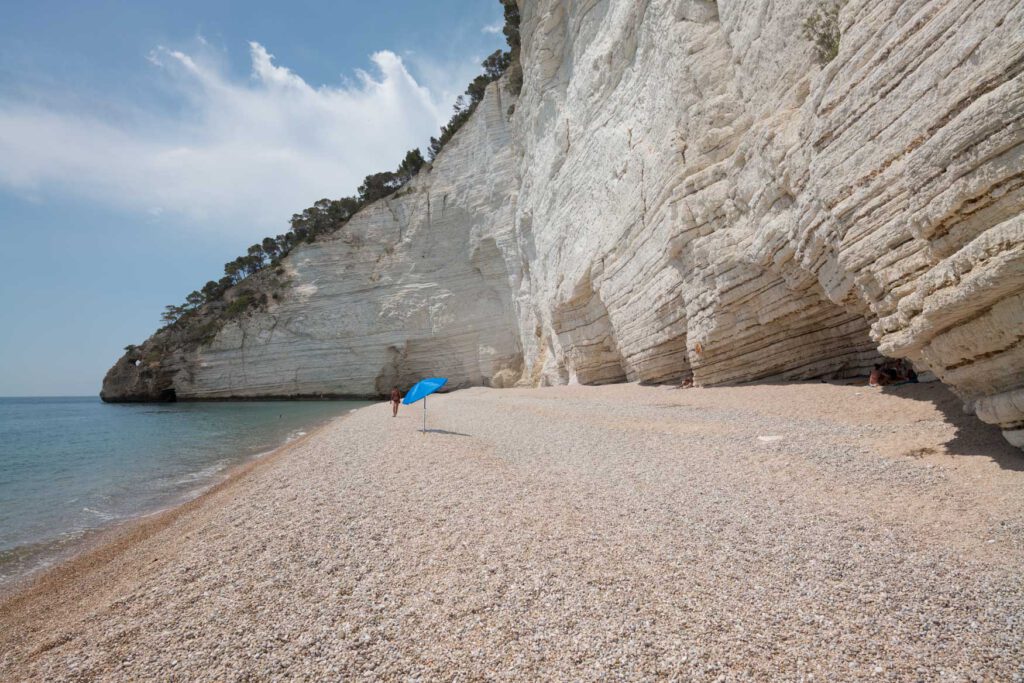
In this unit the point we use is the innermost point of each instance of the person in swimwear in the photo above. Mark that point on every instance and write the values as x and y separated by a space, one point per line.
396 398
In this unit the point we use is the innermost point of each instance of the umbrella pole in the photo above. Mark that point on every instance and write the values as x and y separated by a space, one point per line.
424 414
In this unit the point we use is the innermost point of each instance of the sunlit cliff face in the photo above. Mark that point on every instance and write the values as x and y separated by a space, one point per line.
683 189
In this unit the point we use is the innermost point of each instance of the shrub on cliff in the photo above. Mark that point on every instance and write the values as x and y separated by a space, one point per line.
511 31
821 27
377 186
172 314
494 66
411 165
461 112
239 306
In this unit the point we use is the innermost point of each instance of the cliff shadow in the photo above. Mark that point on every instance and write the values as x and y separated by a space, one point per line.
973 437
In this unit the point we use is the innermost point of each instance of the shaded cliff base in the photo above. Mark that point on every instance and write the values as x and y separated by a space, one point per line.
571 532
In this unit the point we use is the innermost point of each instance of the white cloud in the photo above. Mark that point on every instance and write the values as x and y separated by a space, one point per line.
240 155
495 28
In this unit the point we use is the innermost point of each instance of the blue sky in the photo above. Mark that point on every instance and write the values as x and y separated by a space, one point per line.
144 144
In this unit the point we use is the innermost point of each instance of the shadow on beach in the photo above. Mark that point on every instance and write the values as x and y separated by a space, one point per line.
973 437
445 431
964 435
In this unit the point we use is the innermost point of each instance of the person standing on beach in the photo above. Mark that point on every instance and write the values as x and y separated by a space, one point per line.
396 398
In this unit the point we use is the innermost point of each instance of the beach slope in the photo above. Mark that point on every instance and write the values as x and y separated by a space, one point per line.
752 533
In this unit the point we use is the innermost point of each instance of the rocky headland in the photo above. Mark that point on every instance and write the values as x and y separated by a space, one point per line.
681 187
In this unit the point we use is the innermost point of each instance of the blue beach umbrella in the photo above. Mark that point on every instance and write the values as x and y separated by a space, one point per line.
422 389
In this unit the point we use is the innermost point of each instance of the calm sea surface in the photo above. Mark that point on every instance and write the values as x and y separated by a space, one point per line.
71 465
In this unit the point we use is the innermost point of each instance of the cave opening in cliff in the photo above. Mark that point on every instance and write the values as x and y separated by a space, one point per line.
168 396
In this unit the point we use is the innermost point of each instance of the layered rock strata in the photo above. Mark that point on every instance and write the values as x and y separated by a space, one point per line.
681 189
699 196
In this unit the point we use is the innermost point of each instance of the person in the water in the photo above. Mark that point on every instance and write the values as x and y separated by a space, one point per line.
396 398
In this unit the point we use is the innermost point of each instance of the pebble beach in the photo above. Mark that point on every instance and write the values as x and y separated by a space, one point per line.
790 532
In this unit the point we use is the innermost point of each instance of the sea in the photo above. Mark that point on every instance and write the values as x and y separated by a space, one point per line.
74 465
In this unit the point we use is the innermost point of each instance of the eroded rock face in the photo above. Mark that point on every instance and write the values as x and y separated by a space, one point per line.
697 195
682 190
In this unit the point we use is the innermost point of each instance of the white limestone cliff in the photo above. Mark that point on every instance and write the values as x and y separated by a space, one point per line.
698 196
682 189
416 284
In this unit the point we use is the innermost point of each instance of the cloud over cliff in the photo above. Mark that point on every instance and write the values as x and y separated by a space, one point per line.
242 153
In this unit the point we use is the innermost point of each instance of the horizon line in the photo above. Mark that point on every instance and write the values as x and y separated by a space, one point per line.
50 396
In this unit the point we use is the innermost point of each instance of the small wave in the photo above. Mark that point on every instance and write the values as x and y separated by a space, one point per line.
202 475
20 561
105 516
293 435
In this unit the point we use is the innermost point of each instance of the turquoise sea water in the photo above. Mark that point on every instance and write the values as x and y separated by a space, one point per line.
72 465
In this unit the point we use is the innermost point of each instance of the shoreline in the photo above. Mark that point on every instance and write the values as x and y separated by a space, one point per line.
760 532
87 549
256 399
